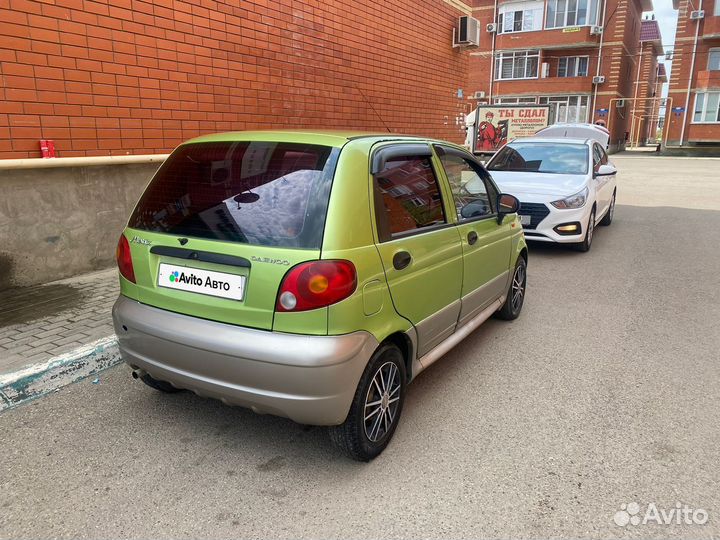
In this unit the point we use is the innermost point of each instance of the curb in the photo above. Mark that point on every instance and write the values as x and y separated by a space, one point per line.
37 380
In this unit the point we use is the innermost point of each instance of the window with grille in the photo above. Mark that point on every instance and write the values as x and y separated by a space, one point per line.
573 66
517 65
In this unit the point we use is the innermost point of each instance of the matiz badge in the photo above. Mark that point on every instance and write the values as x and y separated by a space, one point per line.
137 240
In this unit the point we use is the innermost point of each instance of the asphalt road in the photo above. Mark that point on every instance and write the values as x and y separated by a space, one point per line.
605 392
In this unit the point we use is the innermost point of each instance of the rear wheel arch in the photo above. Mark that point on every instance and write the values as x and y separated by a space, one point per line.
402 342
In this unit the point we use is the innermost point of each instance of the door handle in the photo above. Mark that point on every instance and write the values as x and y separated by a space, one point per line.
401 260
472 237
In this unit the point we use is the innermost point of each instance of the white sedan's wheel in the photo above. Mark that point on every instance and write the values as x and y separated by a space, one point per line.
586 244
608 217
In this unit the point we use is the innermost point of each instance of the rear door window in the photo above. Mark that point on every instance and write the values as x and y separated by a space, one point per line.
407 197
261 193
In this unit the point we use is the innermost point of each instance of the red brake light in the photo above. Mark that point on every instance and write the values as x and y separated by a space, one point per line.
316 284
124 259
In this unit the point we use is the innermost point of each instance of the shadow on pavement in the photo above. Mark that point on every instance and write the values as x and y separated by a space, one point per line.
23 304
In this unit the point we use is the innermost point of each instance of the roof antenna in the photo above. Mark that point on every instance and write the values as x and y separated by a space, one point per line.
373 109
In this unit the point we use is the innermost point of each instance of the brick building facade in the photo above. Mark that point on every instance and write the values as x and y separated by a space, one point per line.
693 117
137 77
549 51
650 76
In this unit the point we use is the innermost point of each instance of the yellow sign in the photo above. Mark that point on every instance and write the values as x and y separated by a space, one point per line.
572 29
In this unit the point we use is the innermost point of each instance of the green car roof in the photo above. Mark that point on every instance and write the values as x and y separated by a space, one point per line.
337 138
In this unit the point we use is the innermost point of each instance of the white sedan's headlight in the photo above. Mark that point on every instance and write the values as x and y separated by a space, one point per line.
573 201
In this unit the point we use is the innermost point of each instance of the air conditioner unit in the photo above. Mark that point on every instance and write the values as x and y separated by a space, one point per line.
491 28
479 94
620 103
599 79
596 30
468 31
544 70
697 15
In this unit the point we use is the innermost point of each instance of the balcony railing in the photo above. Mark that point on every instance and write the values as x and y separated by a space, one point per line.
708 80
711 26
556 38
544 86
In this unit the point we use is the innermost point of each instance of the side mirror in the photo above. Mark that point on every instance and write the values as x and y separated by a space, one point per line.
507 204
605 170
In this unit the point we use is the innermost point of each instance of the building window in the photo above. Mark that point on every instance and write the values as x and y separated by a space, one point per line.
573 66
514 100
566 108
714 54
517 65
707 108
562 13
520 17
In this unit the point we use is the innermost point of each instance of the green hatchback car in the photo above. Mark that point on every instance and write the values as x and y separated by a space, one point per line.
313 275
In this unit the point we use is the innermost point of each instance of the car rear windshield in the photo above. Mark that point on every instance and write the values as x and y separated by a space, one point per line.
261 193
556 158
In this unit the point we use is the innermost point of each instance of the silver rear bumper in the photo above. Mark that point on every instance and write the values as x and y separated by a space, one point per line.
309 379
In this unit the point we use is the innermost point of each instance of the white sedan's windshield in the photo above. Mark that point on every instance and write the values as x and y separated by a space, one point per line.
555 158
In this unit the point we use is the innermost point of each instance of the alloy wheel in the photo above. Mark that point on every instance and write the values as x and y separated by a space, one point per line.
518 287
382 402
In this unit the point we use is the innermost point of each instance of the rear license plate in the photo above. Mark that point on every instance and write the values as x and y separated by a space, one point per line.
525 220
200 281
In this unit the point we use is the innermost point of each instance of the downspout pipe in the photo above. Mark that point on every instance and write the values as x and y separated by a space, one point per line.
633 131
492 54
690 79
599 62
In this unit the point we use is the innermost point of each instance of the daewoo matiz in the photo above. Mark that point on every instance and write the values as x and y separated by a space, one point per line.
314 275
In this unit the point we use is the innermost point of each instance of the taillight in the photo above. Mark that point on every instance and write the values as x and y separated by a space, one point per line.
316 284
124 259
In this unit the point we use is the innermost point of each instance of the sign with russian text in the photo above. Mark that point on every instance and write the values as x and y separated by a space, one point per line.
497 124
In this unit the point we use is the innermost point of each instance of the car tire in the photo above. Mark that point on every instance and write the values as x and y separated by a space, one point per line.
515 297
161 386
608 217
363 436
586 244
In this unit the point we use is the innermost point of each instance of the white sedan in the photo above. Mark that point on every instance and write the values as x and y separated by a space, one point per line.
565 187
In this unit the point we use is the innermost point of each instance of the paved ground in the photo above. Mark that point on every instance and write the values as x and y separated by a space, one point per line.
603 393
39 322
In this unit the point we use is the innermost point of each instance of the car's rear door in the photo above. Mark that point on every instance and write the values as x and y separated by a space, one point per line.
222 222
418 244
486 244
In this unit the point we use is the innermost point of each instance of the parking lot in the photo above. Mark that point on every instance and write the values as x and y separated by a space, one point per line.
604 392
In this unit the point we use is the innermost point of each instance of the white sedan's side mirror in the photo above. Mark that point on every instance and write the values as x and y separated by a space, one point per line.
605 170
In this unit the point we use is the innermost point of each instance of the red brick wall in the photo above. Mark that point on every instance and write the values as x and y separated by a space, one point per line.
648 109
129 76
680 76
